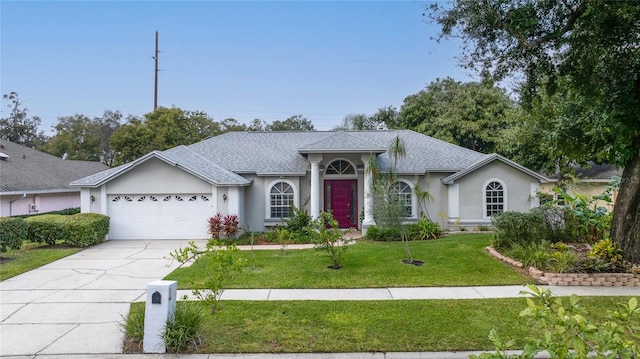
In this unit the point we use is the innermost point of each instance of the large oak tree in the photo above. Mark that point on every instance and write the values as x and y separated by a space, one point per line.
586 50
468 114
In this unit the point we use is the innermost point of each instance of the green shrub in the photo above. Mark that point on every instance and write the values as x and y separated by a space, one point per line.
13 231
606 256
518 228
566 329
563 262
181 331
86 229
46 228
423 229
330 238
81 230
386 234
530 255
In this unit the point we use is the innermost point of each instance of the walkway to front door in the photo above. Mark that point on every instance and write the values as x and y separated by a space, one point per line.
341 198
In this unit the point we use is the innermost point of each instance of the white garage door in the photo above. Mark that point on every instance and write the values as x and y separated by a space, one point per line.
159 216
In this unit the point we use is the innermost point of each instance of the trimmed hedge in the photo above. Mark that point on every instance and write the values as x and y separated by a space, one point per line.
65 212
13 231
79 230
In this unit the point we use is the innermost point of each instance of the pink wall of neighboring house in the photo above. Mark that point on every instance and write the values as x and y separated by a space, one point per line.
46 202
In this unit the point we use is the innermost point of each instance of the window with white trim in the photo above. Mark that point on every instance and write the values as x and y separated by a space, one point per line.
281 197
405 197
494 198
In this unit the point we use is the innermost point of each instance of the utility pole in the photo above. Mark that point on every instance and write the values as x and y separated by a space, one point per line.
155 89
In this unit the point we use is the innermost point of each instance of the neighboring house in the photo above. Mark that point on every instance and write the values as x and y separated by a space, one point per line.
258 175
34 182
592 180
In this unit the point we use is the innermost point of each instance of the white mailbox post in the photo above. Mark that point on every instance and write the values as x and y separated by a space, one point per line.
161 305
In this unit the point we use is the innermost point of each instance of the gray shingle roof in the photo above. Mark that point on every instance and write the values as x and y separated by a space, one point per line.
223 159
26 169
279 152
341 142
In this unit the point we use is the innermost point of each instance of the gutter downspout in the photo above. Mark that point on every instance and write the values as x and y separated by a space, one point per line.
24 195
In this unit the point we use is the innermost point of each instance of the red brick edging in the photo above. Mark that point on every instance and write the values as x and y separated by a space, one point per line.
582 279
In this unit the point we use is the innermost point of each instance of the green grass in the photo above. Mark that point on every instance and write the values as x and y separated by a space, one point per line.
31 256
366 326
459 260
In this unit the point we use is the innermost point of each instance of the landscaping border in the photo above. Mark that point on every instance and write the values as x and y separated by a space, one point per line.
573 279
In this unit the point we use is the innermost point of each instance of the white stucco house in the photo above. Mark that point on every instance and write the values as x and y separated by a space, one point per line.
257 175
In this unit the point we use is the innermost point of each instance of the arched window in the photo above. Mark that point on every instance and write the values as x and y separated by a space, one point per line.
405 197
494 194
281 197
340 167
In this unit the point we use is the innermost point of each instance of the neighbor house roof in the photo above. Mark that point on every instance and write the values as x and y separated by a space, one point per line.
223 159
26 170
593 172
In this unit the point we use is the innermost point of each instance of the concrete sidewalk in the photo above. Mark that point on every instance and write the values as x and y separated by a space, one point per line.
73 307
488 292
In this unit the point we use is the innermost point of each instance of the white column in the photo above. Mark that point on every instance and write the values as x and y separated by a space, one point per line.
104 203
368 195
314 210
454 202
233 200
85 200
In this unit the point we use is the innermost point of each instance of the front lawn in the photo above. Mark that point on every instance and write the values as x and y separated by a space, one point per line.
31 256
366 326
458 260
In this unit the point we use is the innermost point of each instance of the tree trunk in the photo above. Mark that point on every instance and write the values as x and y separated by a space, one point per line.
625 226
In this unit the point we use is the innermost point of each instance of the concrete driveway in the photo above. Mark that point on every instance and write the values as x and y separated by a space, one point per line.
75 305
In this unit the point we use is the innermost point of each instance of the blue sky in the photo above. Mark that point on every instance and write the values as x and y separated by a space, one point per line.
244 60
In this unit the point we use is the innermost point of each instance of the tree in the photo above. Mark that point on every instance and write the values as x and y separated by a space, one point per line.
386 117
76 138
19 127
388 208
231 124
549 138
161 129
470 114
257 125
293 123
585 49
359 122
79 137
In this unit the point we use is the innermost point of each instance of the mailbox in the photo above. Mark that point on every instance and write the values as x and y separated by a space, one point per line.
160 307
156 298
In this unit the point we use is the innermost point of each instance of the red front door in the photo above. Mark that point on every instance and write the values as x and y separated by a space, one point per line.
341 199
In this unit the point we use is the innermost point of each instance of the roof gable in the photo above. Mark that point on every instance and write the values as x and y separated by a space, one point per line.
180 157
488 159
